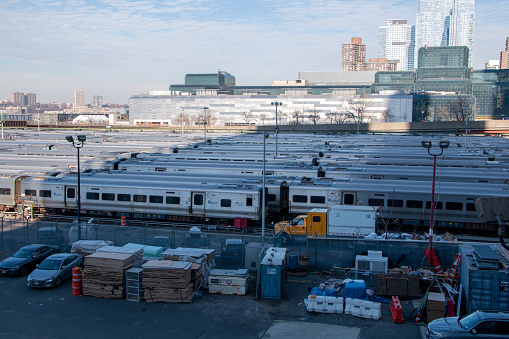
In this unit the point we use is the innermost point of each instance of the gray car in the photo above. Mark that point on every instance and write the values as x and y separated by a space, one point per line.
54 270
480 324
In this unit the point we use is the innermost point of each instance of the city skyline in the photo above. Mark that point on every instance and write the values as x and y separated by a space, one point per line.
117 49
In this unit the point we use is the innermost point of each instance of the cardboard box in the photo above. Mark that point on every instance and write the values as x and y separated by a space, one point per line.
432 315
436 302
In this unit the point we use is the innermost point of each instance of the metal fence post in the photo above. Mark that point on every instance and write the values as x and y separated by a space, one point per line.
2 247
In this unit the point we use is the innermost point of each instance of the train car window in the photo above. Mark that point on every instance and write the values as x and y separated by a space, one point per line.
139 198
123 197
29 193
438 205
156 199
198 199
45 193
317 199
375 202
271 197
92 196
5 191
300 198
454 206
394 203
471 207
108 196
173 200
226 203
249 201
71 193
160 169
414 204
348 199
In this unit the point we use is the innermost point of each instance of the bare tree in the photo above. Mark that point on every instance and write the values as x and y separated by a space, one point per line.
181 120
387 115
263 117
280 116
200 118
297 115
422 110
356 109
248 117
314 116
461 109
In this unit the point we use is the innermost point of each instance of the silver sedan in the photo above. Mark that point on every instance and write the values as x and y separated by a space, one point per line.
54 270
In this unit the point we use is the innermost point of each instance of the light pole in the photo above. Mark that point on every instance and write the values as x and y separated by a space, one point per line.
276 103
78 144
38 120
265 136
205 124
2 117
443 145
182 121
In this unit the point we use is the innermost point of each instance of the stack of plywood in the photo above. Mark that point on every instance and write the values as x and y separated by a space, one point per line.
86 247
167 281
203 257
104 274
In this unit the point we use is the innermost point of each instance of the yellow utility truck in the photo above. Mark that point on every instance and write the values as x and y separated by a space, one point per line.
338 220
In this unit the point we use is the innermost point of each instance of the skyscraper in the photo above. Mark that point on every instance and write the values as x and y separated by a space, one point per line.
445 23
353 55
504 56
22 99
396 42
80 98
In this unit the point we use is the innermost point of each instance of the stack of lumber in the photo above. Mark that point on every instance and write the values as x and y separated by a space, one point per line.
104 274
168 281
136 252
203 257
86 247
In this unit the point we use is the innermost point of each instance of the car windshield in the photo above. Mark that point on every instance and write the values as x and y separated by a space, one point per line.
50 264
23 253
469 321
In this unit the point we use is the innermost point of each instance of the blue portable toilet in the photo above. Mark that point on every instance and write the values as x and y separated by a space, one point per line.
273 273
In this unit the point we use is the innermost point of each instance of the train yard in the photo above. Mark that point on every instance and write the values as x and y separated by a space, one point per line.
173 177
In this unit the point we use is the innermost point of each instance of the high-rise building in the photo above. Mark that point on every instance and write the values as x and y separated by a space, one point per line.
504 56
445 23
492 64
80 98
396 43
353 55
97 101
22 99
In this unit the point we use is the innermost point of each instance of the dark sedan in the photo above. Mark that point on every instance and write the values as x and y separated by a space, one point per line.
26 258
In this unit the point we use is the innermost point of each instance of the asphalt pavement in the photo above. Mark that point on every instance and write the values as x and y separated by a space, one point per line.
56 313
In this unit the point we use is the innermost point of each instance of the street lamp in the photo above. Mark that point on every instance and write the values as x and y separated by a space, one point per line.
427 145
205 124
78 144
38 120
276 103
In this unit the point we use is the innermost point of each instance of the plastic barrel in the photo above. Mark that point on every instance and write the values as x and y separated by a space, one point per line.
293 261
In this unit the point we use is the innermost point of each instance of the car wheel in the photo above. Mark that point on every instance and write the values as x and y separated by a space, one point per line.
58 282
23 270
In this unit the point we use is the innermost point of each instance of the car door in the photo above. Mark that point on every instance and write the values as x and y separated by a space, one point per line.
67 266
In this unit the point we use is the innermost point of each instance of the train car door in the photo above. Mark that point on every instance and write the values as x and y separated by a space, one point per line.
349 198
71 196
198 202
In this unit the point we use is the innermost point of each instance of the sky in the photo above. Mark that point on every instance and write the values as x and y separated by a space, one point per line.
120 48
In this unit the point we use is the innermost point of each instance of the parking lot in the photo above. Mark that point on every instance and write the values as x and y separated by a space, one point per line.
56 313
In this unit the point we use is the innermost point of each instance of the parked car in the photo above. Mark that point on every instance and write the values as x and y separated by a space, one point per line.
54 270
233 253
480 324
161 241
195 239
50 235
26 258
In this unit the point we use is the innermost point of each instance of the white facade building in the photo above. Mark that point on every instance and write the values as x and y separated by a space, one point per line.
255 109
396 42
80 98
445 23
